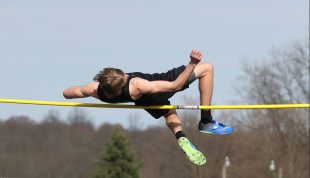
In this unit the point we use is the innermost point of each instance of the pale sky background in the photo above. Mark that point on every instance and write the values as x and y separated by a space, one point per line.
47 46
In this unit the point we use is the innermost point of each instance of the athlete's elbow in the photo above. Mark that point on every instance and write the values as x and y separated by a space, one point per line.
176 86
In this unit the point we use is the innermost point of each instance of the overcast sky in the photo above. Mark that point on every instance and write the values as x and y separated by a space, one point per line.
47 46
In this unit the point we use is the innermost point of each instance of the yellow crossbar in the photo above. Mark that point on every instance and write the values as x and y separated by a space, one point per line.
76 104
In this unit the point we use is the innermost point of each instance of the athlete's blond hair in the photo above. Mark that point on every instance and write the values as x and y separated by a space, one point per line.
111 80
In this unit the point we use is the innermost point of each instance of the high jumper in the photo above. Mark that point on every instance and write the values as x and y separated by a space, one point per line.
115 86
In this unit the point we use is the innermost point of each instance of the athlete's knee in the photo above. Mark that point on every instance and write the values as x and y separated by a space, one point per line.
208 67
204 68
172 117
170 112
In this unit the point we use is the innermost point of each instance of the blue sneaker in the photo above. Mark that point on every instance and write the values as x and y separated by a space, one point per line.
215 128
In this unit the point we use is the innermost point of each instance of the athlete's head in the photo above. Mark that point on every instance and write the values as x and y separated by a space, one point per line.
111 80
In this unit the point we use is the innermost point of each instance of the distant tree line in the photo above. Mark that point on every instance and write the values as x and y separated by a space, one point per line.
54 148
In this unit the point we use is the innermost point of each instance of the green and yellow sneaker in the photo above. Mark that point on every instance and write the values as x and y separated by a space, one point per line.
191 152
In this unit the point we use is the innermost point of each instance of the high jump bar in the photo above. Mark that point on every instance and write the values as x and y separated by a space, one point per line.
76 104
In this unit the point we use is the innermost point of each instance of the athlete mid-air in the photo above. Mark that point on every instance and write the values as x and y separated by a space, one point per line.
114 86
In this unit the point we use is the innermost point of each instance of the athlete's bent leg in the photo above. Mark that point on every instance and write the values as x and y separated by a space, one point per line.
205 73
174 123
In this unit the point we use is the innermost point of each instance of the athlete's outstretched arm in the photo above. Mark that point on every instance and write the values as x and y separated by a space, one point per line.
82 91
147 87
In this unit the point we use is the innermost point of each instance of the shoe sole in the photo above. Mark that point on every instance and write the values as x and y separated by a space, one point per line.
192 154
206 132
223 133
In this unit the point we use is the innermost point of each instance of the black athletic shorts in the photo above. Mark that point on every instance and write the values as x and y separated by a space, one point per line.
162 98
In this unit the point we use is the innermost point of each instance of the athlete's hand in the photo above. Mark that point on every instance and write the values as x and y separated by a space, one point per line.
195 56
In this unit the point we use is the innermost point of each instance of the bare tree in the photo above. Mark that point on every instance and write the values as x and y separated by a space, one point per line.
282 79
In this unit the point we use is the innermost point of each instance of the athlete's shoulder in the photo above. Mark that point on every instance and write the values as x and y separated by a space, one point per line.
135 82
133 87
